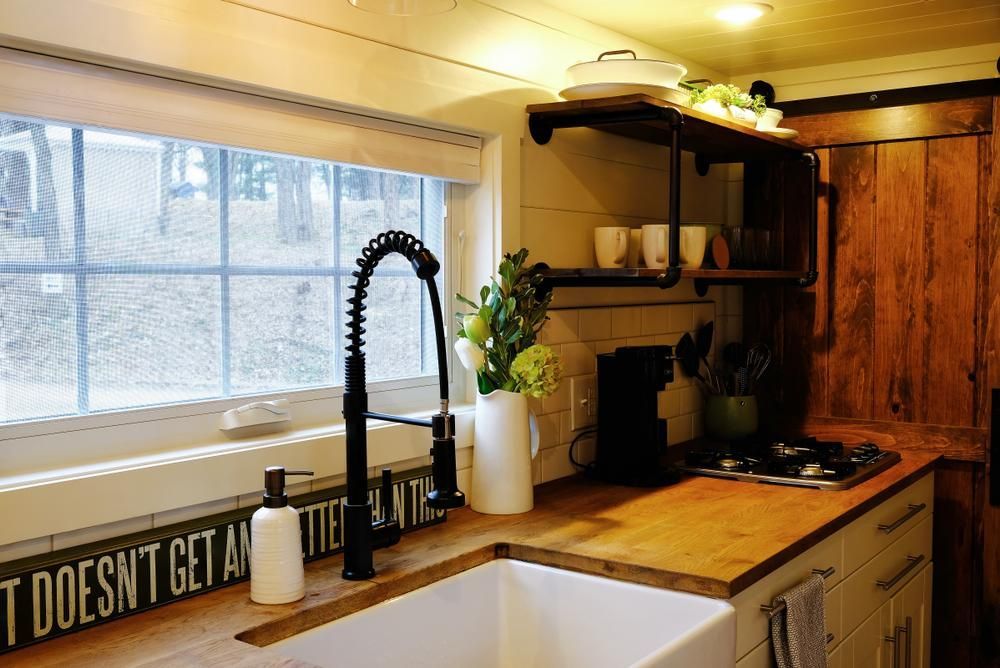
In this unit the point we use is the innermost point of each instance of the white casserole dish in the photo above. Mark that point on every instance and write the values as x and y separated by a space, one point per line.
623 72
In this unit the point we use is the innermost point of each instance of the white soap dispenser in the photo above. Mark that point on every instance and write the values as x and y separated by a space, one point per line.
276 573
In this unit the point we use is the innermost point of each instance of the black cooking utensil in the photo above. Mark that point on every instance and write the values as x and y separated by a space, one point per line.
705 335
687 353
742 382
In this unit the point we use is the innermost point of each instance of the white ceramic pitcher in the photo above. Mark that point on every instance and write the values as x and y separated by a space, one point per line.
506 440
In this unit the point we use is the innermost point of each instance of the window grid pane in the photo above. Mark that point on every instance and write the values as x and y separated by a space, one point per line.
139 271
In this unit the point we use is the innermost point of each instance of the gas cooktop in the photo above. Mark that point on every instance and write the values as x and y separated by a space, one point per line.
805 462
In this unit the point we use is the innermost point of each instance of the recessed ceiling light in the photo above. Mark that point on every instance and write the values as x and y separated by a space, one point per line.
405 7
742 13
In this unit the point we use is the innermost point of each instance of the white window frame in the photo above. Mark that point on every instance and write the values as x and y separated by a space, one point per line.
143 461
123 469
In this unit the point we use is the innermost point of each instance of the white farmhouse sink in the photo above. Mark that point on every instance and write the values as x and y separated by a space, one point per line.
508 613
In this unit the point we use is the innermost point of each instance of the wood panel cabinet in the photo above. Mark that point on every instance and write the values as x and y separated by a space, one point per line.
905 325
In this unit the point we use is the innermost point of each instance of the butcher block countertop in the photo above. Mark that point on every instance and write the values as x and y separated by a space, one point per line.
703 535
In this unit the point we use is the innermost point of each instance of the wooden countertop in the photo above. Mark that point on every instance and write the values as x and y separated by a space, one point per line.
703 535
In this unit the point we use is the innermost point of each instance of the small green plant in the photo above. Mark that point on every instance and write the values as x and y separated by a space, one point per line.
729 95
497 339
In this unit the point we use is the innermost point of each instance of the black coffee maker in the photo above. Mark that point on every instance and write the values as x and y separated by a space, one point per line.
631 438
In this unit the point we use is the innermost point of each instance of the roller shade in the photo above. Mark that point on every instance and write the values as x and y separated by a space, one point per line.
60 90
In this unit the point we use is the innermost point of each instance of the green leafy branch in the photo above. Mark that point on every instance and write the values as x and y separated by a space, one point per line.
506 320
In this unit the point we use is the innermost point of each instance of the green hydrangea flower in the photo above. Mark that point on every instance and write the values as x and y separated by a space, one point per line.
537 371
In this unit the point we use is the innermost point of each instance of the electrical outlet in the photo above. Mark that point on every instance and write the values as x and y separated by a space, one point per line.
583 402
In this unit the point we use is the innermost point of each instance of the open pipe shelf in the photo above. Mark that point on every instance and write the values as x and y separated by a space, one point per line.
712 140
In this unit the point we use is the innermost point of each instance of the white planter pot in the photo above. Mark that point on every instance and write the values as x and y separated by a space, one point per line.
742 116
713 107
506 440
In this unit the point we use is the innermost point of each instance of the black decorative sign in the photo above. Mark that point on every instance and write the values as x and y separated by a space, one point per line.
50 595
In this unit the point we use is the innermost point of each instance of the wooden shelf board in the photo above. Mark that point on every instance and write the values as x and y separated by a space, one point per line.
625 277
714 138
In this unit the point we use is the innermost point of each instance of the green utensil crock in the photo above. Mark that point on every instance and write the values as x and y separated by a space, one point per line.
729 418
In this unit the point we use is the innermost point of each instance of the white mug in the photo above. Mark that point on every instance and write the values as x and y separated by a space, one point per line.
611 246
655 244
770 119
634 249
692 249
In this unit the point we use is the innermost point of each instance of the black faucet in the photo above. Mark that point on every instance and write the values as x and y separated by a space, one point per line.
361 535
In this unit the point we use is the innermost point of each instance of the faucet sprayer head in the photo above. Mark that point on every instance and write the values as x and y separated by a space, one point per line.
445 493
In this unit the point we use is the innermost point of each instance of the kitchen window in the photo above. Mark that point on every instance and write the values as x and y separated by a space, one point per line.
170 250
141 270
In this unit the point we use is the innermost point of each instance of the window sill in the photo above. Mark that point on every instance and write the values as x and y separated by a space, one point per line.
51 502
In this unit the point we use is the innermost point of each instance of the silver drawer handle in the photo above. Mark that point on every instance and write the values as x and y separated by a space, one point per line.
897 648
912 511
891 582
772 610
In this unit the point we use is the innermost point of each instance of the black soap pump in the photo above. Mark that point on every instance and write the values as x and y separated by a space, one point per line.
276 572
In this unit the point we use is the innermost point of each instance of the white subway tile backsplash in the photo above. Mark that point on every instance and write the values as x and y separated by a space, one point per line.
692 399
577 359
548 430
703 313
668 403
640 340
558 400
610 345
626 321
555 463
561 327
679 429
656 319
667 339
595 324
681 318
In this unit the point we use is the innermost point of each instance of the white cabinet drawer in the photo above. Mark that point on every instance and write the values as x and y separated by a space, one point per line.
893 568
880 527
758 657
753 625
762 656
834 603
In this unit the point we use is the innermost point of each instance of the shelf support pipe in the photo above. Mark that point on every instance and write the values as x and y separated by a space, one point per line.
812 163
672 275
